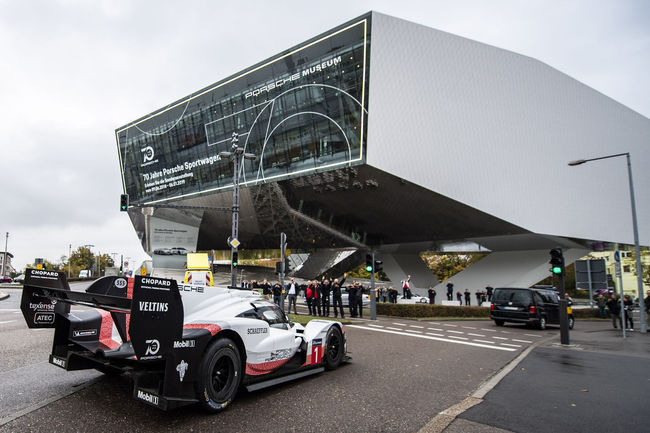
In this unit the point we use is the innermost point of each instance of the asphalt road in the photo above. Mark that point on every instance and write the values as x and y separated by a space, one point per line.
598 385
403 373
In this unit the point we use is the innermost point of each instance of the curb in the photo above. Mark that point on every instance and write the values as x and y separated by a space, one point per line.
441 421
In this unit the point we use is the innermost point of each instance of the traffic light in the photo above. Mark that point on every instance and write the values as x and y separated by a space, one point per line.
378 266
557 261
124 202
287 266
278 267
235 258
369 266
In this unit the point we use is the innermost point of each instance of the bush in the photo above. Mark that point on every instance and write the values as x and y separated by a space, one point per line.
431 310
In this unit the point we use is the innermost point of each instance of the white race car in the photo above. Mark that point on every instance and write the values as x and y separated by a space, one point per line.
415 299
198 349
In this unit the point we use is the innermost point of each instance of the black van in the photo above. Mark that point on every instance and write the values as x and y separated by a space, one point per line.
533 306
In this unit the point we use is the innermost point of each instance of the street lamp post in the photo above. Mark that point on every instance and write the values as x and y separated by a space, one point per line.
639 269
238 156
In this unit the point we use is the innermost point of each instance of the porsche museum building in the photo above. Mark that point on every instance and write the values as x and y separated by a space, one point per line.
388 135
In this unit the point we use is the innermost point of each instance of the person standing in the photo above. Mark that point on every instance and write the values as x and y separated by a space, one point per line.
359 299
628 306
266 289
468 297
336 295
432 295
478 295
602 303
326 288
647 301
352 300
292 292
614 310
459 297
308 297
489 290
450 291
277 294
406 287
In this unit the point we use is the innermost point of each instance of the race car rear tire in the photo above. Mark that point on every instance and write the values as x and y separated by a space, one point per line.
334 350
220 375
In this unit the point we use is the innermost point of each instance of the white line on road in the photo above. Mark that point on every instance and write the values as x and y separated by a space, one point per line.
416 326
475 335
388 327
456 332
375 326
500 338
413 330
467 343
400 324
521 341
483 341
533 335
513 345
435 329
7 321
489 330
460 338
447 324
10 309
469 327
506 332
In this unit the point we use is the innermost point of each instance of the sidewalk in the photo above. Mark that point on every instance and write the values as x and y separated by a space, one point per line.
597 383
3 295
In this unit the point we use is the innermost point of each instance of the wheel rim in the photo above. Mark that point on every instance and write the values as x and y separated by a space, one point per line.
221 375
333 346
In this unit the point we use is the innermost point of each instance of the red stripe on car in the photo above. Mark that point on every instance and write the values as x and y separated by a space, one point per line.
106 331
212 328
264 367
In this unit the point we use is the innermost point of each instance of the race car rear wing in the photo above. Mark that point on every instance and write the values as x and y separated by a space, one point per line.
151 318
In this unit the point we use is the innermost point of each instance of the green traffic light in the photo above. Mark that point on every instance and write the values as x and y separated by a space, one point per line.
556 270
369 268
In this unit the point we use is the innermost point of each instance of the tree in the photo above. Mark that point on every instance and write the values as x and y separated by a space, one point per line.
445 266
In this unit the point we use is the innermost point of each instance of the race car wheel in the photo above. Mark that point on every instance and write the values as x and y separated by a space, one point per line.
334 351
221 375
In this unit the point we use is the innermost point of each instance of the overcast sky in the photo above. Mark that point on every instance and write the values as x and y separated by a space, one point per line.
72 71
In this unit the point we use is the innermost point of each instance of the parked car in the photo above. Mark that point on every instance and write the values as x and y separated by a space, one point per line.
4 279
415 299
532 306
163 251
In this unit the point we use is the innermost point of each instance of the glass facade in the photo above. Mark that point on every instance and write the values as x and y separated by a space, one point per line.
302 111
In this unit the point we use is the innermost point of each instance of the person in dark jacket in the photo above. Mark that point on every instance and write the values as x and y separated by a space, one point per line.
352 298
326 288
317 296
488 291
614 309
266 289
450 291
432 295
647 301
277 294
336 296
309 295
628 306
459 297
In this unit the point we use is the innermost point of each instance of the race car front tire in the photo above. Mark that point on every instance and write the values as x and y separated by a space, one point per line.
221 375
334 350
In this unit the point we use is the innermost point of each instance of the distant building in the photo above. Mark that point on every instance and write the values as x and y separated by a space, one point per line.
628 269
6 265
388 135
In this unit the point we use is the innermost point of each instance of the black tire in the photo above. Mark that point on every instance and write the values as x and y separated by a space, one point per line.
571 322
334 348
220 375
542 323
498 322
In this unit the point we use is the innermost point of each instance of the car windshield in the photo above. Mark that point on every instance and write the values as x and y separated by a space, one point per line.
519 297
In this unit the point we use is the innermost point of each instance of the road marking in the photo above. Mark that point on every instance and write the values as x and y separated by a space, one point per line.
435 329
467 343
460 338
476 335
435 335
456 332
400 324
533 335
489 330
521 341
506 332
513 345
446 324
469 327
394 329
7 321
375 326
413 330
500 338
483 341
416 326
10 309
